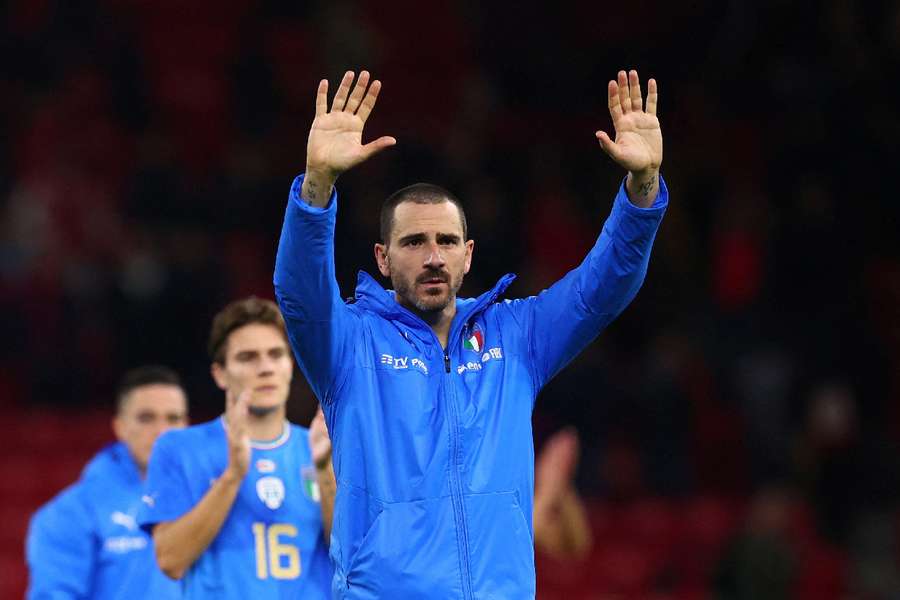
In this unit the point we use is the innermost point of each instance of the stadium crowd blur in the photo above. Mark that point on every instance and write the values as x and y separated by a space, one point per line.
739 423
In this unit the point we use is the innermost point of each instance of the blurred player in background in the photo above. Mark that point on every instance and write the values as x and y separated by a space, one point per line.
428 396
86 543
561 528
240 507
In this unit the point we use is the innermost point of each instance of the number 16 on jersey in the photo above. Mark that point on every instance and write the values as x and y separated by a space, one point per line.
274 557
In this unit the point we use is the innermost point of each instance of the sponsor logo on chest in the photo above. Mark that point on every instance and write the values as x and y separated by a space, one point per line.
400 363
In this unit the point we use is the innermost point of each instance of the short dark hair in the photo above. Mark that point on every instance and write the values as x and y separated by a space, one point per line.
420 193
144 375
237 314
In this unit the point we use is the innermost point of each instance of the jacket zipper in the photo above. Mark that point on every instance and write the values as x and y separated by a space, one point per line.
456 497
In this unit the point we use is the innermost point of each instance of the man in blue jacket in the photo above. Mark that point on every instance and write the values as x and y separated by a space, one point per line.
86 543
428 397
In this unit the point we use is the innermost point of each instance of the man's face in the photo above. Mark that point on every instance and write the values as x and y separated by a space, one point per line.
426 257
256 359
146 413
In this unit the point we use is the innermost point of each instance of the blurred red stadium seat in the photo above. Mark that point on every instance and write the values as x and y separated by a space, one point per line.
13 575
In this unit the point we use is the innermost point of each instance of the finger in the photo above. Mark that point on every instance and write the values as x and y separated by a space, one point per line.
361 84
373 148
340 98
615 107
608 145
624 100
634 85
238 408
651 97
368 102
322 98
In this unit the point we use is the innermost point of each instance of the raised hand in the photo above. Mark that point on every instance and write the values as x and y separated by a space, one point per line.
638 145
319 441
236 411
335 138
554 467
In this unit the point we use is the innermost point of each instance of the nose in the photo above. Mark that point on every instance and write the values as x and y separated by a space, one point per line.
435 258
266 366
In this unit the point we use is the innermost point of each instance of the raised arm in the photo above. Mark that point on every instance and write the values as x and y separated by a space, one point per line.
320 328
562 320
180 542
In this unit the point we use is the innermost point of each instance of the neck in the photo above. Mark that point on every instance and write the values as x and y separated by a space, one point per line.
266 427
439 320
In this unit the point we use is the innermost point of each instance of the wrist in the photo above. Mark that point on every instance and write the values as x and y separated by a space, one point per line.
321 176
232 475
642 187
317 186
650 173
323 467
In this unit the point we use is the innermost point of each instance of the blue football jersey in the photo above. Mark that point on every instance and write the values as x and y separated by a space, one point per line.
271 544
86 544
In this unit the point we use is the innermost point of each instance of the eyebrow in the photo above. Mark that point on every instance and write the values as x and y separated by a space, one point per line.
412 237
421 237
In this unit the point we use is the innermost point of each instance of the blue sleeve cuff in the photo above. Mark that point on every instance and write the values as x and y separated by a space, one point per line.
295 197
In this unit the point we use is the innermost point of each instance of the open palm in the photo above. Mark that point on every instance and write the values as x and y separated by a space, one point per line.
638 144
335 139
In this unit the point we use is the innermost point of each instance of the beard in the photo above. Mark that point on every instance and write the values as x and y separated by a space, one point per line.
426 303
261 411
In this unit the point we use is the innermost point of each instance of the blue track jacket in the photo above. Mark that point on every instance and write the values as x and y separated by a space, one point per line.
85 544
433 448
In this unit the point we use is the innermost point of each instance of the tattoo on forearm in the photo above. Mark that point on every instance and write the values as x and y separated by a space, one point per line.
644 189
311 194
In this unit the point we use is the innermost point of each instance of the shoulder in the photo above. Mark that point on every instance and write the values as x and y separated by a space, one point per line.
195 434
69 504
190 441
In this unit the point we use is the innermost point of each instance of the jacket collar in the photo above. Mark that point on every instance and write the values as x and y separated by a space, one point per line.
370 295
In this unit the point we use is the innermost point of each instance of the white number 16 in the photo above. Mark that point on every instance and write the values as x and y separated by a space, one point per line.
283 559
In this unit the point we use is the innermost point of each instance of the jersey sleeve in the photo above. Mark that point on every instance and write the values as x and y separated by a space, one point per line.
560 321
61 550
322 330
167 493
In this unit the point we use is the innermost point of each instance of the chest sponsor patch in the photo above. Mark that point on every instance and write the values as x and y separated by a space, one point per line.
264 465
474 365
124 544
400 363
271 491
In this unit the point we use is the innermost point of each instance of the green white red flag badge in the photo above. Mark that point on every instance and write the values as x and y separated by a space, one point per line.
475 341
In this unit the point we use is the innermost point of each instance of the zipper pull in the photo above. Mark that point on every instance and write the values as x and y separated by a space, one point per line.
446 362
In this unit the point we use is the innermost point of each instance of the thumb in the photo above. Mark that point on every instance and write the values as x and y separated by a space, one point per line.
609 146
376 146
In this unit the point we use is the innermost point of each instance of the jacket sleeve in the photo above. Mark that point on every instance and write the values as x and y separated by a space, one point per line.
563 319
320 326
61 550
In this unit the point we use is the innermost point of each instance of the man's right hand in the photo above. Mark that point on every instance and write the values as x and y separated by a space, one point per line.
335 138
236 411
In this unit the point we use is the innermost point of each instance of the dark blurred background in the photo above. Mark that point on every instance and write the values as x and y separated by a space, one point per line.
739 423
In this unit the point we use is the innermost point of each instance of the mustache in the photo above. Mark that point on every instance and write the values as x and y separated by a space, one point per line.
443 276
